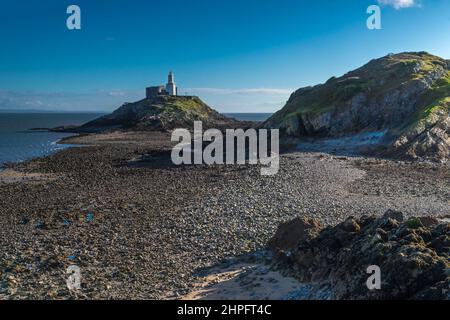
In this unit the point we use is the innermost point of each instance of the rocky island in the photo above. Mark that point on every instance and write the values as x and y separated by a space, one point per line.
159 113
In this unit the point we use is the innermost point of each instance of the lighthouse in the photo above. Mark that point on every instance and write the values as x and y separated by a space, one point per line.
171 87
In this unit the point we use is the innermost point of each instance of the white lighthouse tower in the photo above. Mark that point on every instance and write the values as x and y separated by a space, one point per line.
171 87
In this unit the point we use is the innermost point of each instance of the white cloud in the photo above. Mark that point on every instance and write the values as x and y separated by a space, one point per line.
222 99
399 4
66 101
116 93
226 100
269 91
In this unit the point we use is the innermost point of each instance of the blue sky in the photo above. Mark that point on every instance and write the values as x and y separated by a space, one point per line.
239 56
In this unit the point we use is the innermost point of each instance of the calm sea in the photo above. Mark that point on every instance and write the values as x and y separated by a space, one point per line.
17 143
249 116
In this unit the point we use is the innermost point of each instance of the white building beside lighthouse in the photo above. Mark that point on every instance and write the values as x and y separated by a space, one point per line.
170 88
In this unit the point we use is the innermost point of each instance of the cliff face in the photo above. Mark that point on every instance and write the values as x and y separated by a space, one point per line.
405 97
159 113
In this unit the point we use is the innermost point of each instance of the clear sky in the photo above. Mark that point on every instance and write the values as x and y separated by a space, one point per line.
238 55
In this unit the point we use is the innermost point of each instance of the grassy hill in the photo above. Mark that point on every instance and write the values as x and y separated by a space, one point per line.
160 113
406 96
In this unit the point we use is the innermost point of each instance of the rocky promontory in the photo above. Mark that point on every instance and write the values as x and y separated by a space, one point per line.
399 104
160 113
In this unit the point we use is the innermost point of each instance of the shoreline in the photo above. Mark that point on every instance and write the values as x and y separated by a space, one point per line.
6 165
162 224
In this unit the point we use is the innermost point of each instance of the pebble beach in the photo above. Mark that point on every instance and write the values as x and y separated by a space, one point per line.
140 228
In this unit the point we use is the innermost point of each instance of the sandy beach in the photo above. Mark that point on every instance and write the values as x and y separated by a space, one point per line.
140 228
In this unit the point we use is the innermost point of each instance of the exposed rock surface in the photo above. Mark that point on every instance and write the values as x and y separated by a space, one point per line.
405 97
413 256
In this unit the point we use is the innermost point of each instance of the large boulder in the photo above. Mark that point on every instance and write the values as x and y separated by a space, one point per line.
289 234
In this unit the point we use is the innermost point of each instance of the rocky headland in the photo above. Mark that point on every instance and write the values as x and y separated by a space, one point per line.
159 113
396 106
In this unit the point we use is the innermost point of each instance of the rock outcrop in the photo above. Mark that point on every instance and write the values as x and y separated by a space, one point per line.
160 113
413 256
404 97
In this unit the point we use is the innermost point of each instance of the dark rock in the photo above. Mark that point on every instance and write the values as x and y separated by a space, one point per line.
440 291
428 221
350 225
24 220
40 225
395 215
289 234
413 258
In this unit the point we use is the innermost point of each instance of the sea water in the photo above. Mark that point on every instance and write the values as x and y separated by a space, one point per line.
259 117
18 143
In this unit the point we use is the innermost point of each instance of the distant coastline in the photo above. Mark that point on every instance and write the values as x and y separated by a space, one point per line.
36 111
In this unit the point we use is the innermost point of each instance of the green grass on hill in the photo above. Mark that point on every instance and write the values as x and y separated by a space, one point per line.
376 79
435 104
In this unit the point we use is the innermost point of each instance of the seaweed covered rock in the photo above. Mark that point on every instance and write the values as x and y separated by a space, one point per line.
413 256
